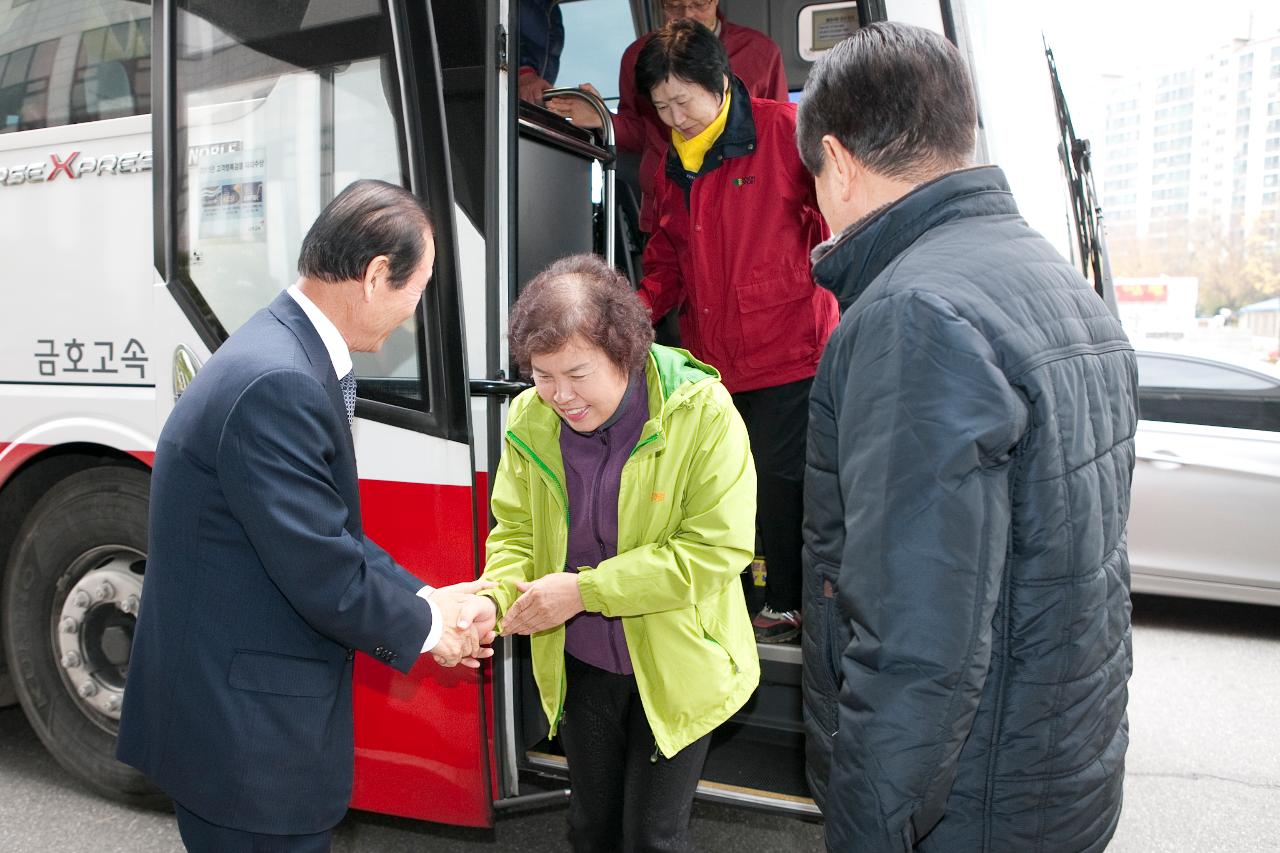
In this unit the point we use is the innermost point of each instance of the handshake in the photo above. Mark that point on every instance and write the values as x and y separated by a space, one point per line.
470 620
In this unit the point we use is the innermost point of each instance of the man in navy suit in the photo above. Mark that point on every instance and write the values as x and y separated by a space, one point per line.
260 584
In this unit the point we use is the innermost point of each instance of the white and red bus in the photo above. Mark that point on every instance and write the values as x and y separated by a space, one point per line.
159 165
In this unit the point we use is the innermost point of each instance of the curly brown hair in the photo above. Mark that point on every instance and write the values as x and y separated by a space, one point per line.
580 295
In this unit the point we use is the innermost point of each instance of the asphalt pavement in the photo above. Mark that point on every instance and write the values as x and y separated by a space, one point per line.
1203 768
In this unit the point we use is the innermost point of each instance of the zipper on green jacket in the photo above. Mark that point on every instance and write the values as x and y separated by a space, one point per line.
547 470
636 449
565 499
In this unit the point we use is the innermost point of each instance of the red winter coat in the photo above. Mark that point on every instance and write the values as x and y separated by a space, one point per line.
731 248
753 56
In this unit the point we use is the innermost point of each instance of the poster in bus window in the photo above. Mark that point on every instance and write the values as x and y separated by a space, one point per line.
231 196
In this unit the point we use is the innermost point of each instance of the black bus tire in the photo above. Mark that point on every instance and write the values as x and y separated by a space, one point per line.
100 508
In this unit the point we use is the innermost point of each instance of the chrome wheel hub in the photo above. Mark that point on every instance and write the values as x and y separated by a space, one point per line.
93 630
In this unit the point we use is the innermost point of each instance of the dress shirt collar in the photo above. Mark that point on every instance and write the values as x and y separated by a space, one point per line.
329 334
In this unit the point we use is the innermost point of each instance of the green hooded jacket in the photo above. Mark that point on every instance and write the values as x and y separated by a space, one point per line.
686 530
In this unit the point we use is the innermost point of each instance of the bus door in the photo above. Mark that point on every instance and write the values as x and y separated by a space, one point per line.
756 759
263 112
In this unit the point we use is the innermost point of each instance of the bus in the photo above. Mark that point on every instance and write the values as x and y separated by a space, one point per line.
160 162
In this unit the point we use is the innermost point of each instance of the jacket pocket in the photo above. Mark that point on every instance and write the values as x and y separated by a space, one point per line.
775 308
822 675
713 634
283 675
774 285
825 660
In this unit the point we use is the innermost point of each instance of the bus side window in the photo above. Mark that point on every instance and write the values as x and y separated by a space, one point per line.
277 114
113 72
24 86
95 63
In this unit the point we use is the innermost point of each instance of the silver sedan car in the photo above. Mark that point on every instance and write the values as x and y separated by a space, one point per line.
1205 517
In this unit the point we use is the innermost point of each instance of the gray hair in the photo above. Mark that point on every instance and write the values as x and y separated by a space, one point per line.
898 97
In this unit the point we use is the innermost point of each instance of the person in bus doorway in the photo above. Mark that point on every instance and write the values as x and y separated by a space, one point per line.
623 506
753 57
737 218
260 584
966 641
541 41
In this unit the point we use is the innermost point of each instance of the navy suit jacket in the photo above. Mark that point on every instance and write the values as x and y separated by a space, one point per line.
259 586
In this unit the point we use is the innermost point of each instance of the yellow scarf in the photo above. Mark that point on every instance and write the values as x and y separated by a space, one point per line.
692 151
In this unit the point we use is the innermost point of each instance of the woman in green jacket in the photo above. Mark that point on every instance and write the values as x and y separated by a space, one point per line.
618 548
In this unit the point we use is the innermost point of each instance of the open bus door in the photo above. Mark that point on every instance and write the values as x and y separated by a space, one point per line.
263 112
757 758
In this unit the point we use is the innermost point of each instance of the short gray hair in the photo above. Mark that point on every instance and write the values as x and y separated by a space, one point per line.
898 97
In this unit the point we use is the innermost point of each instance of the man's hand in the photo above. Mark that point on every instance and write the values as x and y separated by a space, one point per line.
532 86
547 602
468 624
577 110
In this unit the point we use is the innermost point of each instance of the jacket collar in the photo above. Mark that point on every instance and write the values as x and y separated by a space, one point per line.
737 140
847 263
333 341
285 309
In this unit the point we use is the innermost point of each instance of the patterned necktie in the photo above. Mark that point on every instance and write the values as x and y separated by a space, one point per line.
348 386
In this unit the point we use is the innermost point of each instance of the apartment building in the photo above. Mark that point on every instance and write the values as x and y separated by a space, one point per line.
1195 146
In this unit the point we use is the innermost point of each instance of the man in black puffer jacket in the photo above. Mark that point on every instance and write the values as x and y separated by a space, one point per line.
966 629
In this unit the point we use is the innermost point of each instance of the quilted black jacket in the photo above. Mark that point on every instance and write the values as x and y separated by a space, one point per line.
966 628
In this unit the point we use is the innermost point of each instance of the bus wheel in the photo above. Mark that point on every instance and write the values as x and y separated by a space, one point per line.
72 591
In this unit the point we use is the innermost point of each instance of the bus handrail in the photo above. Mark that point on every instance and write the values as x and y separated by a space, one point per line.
608 165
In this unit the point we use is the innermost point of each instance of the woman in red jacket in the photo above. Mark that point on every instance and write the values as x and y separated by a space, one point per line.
736 220
753 57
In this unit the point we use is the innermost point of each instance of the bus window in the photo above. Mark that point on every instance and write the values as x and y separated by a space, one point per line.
113 72
24 86
278 111
94 63
596 32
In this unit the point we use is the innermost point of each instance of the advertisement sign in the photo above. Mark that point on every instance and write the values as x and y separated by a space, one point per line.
231 196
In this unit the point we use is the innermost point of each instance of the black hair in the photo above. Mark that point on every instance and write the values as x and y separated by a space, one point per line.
683 49
367 219
898 97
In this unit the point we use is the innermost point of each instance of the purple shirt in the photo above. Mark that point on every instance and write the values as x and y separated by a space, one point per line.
593 472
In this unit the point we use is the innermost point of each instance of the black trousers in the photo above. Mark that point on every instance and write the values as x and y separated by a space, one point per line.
200 836
777 422
624 799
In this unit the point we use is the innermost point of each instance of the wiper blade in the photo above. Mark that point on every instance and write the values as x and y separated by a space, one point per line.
1086 211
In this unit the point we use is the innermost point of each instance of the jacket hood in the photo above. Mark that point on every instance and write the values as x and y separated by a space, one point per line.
679 374
672 376
848 262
